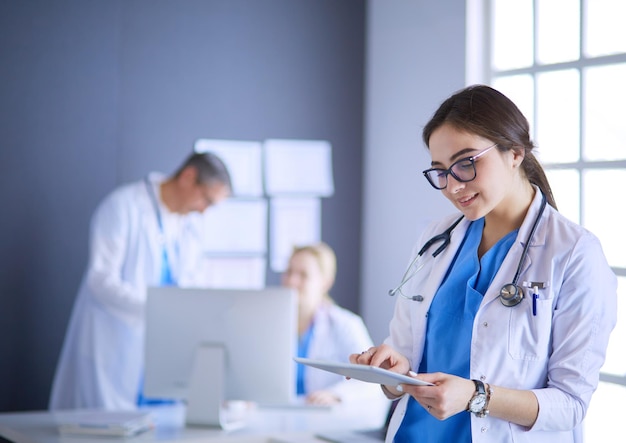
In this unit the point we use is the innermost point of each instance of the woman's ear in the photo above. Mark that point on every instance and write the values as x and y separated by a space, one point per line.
518 156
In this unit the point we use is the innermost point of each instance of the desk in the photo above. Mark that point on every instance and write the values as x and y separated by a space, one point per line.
264 425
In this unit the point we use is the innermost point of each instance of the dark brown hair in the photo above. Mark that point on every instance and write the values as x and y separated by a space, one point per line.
486 112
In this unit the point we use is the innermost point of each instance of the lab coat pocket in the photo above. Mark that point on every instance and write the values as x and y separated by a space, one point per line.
530 329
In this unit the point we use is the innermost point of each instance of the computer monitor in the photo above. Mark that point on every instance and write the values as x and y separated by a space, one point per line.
205 346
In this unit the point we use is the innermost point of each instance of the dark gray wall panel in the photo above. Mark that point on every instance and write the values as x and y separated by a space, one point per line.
58 83
95 93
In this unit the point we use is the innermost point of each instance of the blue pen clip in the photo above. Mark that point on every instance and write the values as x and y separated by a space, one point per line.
536 285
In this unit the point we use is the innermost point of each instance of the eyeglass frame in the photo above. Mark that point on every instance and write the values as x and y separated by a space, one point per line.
449 170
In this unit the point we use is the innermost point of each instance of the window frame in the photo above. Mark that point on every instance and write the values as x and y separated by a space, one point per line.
479 70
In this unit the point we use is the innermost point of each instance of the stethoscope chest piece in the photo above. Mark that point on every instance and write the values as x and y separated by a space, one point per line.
511 295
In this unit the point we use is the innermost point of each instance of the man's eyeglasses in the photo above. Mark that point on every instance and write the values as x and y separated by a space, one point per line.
463 170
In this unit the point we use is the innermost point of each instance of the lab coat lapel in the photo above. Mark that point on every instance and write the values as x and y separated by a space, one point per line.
507 270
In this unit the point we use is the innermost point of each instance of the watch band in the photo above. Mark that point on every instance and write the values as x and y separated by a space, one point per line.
480 387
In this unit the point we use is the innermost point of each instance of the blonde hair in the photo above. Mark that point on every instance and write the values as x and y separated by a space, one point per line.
325 257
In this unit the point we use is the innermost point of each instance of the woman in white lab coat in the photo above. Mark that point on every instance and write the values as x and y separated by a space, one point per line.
326 331
510 321
143 234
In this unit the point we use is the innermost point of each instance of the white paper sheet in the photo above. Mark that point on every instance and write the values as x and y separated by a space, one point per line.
236 226
298 167
234 272
243 160
293 222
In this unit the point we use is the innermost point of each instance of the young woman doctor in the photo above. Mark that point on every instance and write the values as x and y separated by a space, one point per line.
510 319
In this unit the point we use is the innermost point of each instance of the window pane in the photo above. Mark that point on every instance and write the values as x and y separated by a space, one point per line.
615 363
520 89
558 116
605 31
565 184
605 418
563 45
604 112
600 211
512 34
604 421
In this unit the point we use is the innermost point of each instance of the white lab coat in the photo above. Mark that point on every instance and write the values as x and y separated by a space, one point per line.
338 333
557 353
101 362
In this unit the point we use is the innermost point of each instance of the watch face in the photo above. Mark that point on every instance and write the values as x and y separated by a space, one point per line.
478 403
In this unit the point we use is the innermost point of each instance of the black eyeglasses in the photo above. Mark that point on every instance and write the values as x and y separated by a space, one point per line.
463 170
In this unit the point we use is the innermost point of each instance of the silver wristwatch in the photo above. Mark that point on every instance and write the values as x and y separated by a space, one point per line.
479 401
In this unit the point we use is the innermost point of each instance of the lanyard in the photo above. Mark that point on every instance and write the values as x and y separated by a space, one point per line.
167 279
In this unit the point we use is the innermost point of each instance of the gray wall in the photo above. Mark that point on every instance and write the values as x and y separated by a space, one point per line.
95 93
415 59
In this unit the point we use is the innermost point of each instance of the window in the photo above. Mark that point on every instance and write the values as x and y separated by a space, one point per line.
563 62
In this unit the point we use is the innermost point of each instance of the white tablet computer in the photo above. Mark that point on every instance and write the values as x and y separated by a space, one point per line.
371 374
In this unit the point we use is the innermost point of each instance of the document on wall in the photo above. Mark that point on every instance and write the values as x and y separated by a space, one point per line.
236 226
234 272
295 167
293 222
243 160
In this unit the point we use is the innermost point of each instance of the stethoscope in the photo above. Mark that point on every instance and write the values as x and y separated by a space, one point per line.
511 294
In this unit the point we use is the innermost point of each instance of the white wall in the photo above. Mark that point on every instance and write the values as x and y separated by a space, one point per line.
415 59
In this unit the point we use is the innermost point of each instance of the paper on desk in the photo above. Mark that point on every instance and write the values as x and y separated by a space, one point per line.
111 423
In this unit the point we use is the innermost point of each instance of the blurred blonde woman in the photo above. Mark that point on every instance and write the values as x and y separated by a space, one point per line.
326 331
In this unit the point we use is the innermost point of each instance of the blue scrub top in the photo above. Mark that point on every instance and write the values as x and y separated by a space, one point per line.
303 351
447 349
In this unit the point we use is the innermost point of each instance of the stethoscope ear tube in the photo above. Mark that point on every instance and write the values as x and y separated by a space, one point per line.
510 295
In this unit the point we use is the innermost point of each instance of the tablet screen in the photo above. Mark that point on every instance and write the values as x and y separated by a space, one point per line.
370 374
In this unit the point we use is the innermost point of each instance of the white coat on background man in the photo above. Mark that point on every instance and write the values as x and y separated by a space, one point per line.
101 363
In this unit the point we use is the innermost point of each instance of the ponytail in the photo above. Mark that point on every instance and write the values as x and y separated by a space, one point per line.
536 175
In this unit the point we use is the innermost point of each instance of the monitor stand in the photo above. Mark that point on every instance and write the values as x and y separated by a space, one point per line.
206 389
